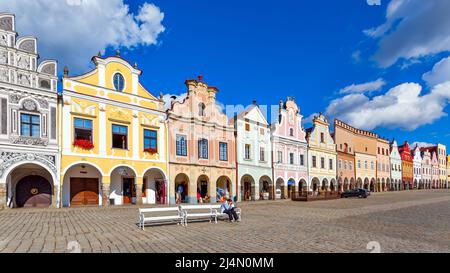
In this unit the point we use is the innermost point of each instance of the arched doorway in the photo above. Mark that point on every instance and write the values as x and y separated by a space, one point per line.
315 184
346 184
248 191
291 185
154 187
366 184
33 191
29 185
82 185
123 186
333 185
223 188
265 188
181 188
359 183
279 189
372 186
203 189
324 186
302 186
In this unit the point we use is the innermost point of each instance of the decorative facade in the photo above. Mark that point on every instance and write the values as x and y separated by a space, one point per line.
113 138
202 155
366 144
442 158
29 158
396 167
448 171
434 169
343 137
383 166
253 155
290 150
407 166
426 169
417 168
322 156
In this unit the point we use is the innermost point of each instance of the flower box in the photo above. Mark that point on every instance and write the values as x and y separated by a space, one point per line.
150 151
84 144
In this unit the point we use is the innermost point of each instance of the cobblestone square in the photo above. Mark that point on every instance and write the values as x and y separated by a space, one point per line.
409 221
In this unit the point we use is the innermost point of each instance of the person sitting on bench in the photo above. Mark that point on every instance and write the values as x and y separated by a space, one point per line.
228 208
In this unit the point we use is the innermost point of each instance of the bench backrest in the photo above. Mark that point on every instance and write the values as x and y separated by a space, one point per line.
199 207
150 210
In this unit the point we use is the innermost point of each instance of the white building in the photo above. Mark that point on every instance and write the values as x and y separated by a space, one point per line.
29 158
253 154
396 167
417 168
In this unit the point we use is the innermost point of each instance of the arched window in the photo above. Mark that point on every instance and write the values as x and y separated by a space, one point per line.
119 82
291 132
201 109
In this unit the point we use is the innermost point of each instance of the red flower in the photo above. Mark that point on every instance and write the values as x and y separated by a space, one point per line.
150 151
84 144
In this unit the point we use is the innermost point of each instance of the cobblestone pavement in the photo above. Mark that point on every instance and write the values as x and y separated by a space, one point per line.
413 221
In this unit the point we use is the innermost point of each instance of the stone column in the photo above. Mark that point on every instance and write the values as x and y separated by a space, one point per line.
285 190
55 196
192 191
105 187
3 196
212 191
138 184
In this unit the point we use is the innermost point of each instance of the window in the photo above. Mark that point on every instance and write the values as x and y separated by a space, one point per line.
379 151
247 127
83 129
322 162
247 151
359 164
372 165
322 137
119 82
314 161
330 161
291 158
345 164
201 109
120 137
351 166
151 139
30 125
280 157
181 145
262 154
340 164
291 132
366 166
302 160
203 148
223 151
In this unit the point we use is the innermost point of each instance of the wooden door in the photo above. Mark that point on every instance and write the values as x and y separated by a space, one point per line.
128 184
84 191
33 191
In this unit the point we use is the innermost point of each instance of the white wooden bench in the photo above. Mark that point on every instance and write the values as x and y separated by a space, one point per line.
198 212
160 215
219 214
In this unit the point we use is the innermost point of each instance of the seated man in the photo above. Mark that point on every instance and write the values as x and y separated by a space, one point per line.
228 208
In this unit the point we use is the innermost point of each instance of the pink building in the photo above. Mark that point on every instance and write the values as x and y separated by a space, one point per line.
202 155
290 156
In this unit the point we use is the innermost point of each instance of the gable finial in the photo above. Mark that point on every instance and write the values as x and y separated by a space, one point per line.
118 53
66 71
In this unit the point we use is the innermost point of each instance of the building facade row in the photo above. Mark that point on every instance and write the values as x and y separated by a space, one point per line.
107 140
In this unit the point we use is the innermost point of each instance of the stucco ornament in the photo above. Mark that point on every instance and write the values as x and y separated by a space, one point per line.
7 159
29 105
29 141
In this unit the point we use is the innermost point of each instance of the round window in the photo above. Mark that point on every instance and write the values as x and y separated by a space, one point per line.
119 82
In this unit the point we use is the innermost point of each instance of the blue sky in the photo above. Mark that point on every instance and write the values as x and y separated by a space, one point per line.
268 50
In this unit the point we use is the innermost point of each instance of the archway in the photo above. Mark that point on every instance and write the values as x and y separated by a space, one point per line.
223 188
203 189
265 188
359 183
123 186
154 187
248 188
82 185
279 189
181 189
333 185
302 186
315 184
366 183
383 185
346 184
324 186
291 185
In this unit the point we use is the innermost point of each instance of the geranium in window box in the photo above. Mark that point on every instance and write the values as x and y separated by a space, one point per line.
84 144
150 151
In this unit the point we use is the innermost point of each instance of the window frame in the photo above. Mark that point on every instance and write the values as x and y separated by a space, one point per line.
221 144
185 145
150 138
112 136
83 128
202 143
114 81
31 124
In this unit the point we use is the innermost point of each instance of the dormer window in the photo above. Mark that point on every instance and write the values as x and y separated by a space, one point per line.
291 132
119 82
201 109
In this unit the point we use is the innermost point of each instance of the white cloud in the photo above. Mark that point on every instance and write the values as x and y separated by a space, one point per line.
363 87
422 144
413 29
439 74
401 107
73 31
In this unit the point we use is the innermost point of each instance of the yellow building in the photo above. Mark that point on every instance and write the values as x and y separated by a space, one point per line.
113 138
